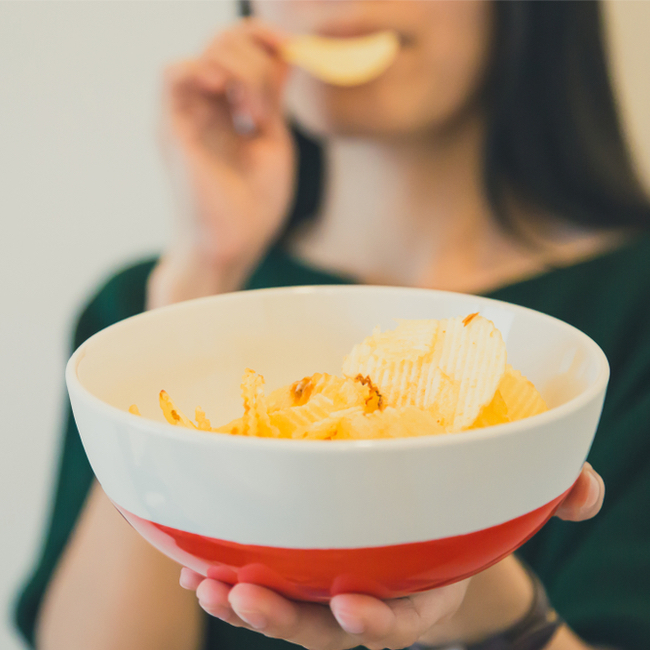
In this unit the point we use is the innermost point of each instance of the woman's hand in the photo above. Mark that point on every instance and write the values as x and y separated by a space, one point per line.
586 497
232 161
355 619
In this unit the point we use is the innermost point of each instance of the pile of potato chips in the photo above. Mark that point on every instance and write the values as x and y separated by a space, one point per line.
423 378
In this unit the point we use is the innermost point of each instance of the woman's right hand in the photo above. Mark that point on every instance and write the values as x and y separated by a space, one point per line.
232 160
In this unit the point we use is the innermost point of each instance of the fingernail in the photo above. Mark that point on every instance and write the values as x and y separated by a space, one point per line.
594 491
350 624
254 619
184 579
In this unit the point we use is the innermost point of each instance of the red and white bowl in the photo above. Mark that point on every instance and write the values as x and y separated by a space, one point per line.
312 519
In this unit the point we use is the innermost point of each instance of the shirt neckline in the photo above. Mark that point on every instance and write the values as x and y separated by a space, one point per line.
628 245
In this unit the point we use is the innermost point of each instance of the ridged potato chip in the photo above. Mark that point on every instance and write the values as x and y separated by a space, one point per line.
520 395
401 422
343 61
318 384
234 427
330 427
281 398
408 421
298 393
347 393
496 412
453 366
172 414
256 420
293 422
202 422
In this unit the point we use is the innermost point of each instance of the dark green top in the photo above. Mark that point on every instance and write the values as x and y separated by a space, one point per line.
597 573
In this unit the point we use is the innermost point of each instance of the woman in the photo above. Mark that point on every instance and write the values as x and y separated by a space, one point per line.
487 159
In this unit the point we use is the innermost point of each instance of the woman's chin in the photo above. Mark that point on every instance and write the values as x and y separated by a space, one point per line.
330 111
369 111
332 122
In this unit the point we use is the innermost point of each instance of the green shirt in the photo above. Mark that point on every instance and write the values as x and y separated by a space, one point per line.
597 573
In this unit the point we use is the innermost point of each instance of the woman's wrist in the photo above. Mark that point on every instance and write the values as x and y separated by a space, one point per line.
540 628
187 272
496 599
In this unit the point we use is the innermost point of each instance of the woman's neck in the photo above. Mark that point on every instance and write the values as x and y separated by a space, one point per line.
415 213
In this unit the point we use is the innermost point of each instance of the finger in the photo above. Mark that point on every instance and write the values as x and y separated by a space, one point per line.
193 75
191 97
190 579
399 622
368 618
213 599
307 624
259 75
272 38
247 54
586 497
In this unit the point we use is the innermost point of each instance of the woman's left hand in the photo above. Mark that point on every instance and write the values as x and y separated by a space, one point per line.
356 619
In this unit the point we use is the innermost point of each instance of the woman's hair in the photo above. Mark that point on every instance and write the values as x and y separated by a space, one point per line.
554 137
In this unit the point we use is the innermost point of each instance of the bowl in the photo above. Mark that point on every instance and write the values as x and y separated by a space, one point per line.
312 519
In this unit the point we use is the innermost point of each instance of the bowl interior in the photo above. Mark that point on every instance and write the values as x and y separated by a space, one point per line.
197 351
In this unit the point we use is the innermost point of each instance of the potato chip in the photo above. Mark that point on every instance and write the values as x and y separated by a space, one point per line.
202 422
402 422
281 398
304 388
256 420
172 414
329 428
234 427
520 395
293 422
298 393
343 61
410 421
496 412
347 393
447 365
372 399
445 400
358 425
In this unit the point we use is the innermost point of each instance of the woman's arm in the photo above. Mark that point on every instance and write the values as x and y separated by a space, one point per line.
112 590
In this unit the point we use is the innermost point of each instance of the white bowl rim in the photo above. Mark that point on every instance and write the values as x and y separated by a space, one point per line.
337 446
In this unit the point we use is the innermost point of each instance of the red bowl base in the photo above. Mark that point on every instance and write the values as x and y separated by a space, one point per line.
318 574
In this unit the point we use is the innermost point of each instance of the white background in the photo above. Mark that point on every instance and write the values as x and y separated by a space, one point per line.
83 191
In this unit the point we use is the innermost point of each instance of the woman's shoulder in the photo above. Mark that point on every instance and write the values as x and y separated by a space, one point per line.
606 291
